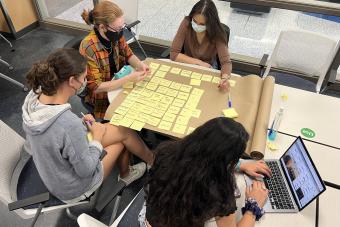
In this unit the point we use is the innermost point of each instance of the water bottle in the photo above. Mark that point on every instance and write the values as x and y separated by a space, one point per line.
276 124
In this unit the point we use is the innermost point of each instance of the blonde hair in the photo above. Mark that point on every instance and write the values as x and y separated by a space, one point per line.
104 12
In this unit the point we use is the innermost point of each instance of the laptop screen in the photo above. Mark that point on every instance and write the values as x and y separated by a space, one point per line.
302 176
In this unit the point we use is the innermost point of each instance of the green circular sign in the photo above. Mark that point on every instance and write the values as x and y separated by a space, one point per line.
309 133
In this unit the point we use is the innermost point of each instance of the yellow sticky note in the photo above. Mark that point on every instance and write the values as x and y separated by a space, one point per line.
169 117
172 93
167 100
132 113
232 83
186 112
230 113
121 110
191 105
182 120
126 122
151 86
195 82
89 136
197 92
196 76
174 109
183 95
157 97
175 85
175 70
272 146
178 102
164 68
165 82
180 129
162 106
185 88
143 117
196 113
186 73
128 85
154 121
206 77
137 125
141 83
155 80
284 97
147 93
162 90
190 130
147 110
160 74
158 113
216 80
165 125
127 103
153 65
125 92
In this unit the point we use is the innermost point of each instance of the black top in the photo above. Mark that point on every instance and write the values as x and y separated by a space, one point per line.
109 48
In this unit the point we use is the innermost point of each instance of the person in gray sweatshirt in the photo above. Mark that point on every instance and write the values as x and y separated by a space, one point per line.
68 161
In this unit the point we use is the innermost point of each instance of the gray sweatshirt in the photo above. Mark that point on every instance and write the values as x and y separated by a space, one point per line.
57 139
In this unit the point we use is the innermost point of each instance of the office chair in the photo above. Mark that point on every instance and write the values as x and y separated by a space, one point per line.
166 53
10 68
304 52
19 179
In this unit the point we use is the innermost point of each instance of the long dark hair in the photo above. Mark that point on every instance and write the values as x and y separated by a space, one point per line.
215 31
192 179
46 76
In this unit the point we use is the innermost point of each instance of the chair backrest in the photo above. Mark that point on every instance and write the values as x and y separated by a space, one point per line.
11 145
305 52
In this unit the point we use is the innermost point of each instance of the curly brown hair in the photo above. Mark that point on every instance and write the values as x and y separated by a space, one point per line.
46 76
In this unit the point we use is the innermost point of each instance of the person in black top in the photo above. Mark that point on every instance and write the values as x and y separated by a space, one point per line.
192 179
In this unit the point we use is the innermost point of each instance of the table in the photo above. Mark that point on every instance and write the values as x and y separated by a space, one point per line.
305 109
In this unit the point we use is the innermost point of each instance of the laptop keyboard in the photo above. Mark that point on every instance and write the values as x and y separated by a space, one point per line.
278 193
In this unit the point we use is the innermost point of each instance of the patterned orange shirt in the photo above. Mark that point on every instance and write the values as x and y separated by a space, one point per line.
98 68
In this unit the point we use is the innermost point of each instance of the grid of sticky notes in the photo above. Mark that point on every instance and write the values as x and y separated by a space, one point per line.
159 102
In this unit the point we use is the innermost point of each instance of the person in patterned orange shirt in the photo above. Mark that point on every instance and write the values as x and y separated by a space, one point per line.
107 52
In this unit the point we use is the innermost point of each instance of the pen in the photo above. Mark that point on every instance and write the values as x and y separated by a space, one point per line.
90 122
229 100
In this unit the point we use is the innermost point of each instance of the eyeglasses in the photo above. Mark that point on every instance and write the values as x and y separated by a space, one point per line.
116 30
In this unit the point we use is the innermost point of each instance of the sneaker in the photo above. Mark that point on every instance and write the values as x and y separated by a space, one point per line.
136 172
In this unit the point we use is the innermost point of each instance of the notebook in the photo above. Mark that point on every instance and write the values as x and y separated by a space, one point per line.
295 182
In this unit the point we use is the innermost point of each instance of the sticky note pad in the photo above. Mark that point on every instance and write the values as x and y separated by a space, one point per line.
164 68
165 125
190 130
157 97
182 120
154 121
230 113
133 114
153 65
186 73
186 112
175 71
195 82
174 109
152 86
137 125
272 146
160 74
172 93
167 100
143 117
185 88
197 92
206 77
162 106
158 113
191 105
180 129
196 76
169 117
89 136
183 95
162 90
128 85
155 80
232 83
126 122
165 82
216 80
196 113
121 110
178 102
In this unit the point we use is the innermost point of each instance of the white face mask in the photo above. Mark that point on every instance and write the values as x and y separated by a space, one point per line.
80 90
198 28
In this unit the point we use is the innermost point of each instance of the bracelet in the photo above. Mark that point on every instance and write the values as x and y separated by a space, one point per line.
251 205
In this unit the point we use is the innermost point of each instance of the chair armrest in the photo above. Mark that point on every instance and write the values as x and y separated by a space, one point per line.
263 63
131 25
107 197
166 53
29 201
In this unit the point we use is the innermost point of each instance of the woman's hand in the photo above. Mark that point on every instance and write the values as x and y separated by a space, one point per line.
224 84
203 63
136 76
255 169
144 67
88 117
97 129
258 192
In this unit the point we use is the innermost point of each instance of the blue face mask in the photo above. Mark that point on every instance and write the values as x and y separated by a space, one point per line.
198 28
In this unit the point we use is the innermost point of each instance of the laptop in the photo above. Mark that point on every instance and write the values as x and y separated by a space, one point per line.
295 181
